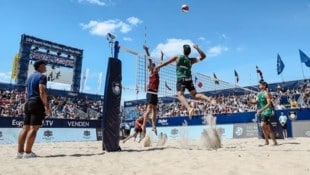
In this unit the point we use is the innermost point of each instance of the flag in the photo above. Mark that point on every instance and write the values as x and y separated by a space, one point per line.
304 58
85 75
259 72
236 76
99 81
199 83
280 65
166 85
15 67
216 81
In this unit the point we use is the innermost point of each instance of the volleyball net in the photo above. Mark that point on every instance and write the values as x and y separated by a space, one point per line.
167 74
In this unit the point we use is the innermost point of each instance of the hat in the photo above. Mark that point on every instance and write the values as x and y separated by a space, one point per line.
38 63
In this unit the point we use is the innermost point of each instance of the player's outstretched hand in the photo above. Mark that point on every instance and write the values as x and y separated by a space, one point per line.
195 46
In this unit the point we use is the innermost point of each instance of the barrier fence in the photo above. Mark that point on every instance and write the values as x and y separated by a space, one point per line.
237 125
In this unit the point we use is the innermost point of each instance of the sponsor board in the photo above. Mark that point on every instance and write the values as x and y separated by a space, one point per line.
66 134
10 135
189 132
301 128
246 130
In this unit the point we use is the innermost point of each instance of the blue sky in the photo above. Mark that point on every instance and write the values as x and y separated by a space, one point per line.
236 35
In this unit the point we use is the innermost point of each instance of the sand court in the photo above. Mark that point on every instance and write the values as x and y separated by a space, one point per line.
236 156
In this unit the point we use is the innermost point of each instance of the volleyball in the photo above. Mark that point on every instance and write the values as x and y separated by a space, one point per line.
185 8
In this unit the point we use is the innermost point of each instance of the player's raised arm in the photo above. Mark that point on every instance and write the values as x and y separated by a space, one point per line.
172 59
201 56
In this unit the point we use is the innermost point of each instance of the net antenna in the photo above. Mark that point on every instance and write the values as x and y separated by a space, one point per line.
110 38
140 82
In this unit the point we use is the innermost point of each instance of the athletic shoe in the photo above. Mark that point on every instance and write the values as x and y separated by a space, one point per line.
19 155
29 155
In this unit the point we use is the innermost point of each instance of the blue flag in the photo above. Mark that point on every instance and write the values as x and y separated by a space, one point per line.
280 65
304 58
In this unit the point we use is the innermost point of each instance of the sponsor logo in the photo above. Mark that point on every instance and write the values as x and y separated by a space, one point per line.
174 132
239 131
18 123
116 88
48 123
78 124
163 121
86 134
48 135
292 115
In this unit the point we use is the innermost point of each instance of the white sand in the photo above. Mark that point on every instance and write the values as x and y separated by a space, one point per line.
239 156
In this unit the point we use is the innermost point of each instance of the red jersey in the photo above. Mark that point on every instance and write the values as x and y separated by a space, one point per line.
153 82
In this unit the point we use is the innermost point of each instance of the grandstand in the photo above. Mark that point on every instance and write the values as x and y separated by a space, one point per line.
63 67
231 100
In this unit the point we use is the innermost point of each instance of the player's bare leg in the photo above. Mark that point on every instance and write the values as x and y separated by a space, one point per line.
185 103
265 132
146 117
154 114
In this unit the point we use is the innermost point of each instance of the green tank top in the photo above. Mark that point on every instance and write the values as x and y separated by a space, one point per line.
262 101
184 67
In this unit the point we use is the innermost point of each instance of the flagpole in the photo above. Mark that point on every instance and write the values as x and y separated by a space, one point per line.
302 70
282 78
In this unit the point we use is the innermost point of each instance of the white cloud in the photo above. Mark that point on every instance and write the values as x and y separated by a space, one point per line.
171 47
134 21
101 28
124 27
95 2
175 47
216 50
127 39
5 77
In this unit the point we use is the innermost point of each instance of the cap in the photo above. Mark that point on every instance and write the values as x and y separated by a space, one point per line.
38 63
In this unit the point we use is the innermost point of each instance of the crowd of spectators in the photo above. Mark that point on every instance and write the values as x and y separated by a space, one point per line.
12 105
282 99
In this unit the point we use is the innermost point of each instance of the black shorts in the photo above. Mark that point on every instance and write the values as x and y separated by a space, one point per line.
34 112
284 126
151 98
185 84
265 119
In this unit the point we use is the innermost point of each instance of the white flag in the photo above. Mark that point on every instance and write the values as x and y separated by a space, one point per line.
85 76
99 81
